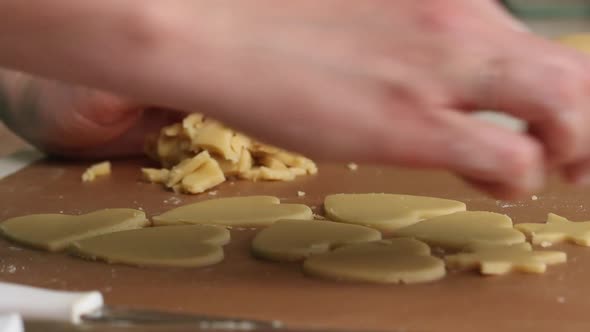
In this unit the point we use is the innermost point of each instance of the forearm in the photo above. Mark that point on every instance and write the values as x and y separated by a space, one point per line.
131 47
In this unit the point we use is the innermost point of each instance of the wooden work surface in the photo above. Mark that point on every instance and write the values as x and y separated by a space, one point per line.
242 286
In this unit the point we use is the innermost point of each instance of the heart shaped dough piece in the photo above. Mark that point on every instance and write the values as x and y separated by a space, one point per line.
557 229
55 232
247 211
387 212
463 229
387 261
178 246
498 260
294 240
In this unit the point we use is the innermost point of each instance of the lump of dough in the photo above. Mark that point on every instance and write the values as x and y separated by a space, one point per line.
247 211
387 261
498 260
294 240
580 42
556 230
55 232
179 246
387 212
463 229
96 170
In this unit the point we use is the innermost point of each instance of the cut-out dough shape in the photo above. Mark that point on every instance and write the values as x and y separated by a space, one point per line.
498 260
387 212
462 229
294 240
178 246
557 229
248 211
387 261
55 232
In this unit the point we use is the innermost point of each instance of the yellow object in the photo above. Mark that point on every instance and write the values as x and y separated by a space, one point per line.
180 246
182 147
387 212
387 261
55 232
464 229
580 41
96 170
294 240
247 211
498 260
556 230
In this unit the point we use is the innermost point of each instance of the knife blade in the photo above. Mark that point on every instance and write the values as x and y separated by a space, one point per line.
76 311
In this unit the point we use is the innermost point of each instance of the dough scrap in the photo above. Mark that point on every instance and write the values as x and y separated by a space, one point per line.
463 229
96 170
54 232
499 260
387 261
178 246
387 212
294 240
247 211
181 148
580 42
557 229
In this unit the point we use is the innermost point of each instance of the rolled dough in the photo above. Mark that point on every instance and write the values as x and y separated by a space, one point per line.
178 246
387 212
247 211
556 230
500 260
55 232
463 229
294 240
387 261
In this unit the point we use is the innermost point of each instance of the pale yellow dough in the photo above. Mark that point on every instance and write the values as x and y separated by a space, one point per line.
581 41
294 240
462 229
96 170
498 260
55 232
556 230
387 212
247 211
179 246
387 261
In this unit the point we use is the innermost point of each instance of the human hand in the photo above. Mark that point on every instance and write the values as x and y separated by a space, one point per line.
393 81
77 122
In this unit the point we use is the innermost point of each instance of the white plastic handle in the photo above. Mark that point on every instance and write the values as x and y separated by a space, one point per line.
11 323
45 304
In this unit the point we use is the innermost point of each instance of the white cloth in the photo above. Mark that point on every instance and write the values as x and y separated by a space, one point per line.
11 323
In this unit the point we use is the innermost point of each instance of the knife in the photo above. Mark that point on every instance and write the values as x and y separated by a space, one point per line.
39 304
45 305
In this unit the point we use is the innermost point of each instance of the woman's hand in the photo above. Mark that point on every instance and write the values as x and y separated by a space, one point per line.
76 121
389 81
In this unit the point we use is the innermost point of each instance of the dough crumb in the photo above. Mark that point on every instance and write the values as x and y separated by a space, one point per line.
200 153
213 193
546 244
534 197
301 193
96 170
352 166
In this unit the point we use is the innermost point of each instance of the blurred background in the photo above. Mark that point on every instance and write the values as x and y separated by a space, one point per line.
552 18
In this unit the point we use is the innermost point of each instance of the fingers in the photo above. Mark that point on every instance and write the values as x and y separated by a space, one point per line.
500 161
546 85
132 141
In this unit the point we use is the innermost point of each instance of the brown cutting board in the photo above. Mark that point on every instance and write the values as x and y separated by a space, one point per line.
242 286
